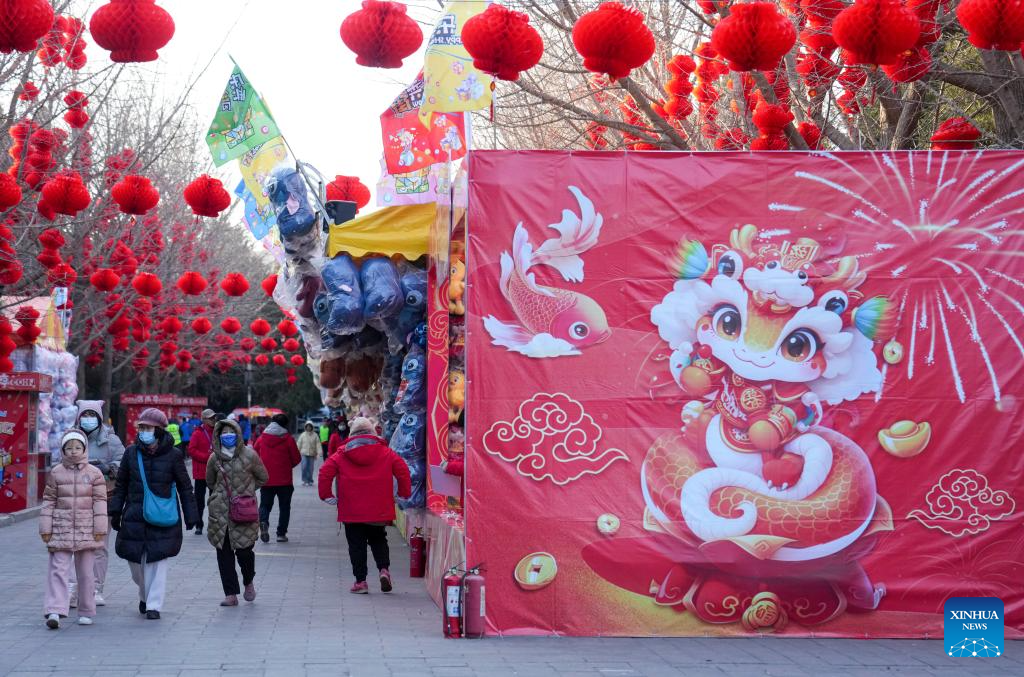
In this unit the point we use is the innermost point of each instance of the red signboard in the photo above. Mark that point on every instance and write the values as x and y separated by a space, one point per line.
172 405
735 393
26 382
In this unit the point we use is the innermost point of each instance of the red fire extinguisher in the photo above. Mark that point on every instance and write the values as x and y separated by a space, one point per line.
417 554
451 598
474 607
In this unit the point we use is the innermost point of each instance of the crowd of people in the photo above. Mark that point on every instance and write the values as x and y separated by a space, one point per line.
145 493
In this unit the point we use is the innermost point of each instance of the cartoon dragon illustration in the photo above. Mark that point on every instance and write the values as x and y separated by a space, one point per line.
552 321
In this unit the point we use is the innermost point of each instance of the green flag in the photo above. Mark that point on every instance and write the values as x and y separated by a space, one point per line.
242 122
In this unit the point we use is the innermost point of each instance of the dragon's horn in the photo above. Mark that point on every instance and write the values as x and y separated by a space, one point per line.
847 275
742 239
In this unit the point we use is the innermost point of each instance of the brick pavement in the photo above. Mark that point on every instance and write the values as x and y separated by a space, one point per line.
305 622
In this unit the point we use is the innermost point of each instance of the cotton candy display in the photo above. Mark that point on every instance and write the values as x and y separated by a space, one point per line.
57 411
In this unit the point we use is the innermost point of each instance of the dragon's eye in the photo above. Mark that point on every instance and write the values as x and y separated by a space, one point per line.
727 323
835 302
772 265
730 265
802 276
800 345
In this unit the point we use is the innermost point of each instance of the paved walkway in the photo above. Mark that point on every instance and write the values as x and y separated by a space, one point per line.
305 622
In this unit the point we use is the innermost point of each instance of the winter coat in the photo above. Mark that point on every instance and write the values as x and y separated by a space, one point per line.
309 443
364 468
245 473
164 465
199 448
105 447
278 451
74 507
334 443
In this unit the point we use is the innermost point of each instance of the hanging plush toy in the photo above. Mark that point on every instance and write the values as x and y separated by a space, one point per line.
345 294
409 442
457 287
414 291
456 395
412 393
382 292
286 190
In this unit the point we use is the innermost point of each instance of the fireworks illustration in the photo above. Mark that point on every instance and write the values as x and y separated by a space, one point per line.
940 230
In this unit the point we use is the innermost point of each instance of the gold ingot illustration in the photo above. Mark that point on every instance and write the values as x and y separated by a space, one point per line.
608 524
905 439
535 571
893 352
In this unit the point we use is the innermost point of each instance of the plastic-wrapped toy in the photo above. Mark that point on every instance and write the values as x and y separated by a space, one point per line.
414 290
412 393
454 464
456 394
367 340
409 442
344 294
457 287
332 372
419 335
457 341
382 292
286 190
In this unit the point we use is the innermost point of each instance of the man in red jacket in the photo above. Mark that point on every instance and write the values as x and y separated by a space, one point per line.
279 453
364 466
199 449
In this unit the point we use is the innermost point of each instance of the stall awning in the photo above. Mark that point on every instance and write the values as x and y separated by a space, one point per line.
403 230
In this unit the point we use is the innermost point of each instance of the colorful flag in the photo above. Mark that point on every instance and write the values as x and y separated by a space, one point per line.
452 84
408 145
242 122
259 221
422 186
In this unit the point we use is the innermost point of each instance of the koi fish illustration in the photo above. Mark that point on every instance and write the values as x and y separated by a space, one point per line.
552 322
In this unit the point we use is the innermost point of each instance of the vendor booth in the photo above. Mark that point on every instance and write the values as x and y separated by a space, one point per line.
23 462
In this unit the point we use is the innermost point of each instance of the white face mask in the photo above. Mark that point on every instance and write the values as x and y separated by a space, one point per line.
90 423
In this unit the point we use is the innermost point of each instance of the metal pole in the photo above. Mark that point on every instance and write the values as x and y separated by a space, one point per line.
248 385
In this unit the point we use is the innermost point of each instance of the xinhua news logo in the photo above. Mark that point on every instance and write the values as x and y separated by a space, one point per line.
973 627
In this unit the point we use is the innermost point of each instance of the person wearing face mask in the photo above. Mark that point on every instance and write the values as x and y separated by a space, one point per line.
105 452
73 524
151 461
234 471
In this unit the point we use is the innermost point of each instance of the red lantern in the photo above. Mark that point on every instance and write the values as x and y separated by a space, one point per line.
66 194
381 34
292 380
992 24
105 279
291 345
207 197
260 327
287 328
7 345
269 284
191 283
613 39
202 325
62 275
262 360
22 23
268 344
247 344
135 195
279 360
147 284
234 284
297 360
755 36
876 31
132 30
348 189
28 331
811 134
502 42
10 192
910 66
955 134
141 359
29 92
51 238
231 325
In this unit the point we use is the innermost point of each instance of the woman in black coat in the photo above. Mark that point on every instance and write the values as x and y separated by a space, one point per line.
145 546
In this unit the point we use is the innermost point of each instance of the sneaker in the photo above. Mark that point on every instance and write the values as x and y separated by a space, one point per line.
250 593
99 599
142 607
74 602
385 580
53 621
153 615
84 620
281 538
199 530
230 600
264 532
360 588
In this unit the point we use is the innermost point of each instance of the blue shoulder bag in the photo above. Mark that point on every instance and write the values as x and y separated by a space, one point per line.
157 510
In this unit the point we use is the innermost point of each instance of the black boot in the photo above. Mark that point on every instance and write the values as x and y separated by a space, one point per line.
265 532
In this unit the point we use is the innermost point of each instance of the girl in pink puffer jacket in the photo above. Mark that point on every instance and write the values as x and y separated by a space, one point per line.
73 524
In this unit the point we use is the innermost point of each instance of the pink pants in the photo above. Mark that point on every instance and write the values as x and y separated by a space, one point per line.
58 593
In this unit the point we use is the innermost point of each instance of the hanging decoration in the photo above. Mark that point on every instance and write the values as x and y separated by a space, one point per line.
348 189
955 134
269 344
202 325
135 195
770 120
76 117
259 327
381 34
230 325
7 345
22 24
993 24
269 283
287 328
613 39
502 42
66 193
875 31
62 275
247 344
234 284
10 192
28 92
132 30
755 36
191 283
291 345
105 280
279 360
27 316
207 197
297 360
262 360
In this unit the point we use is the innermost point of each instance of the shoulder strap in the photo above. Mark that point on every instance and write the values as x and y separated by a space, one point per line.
224 478
142 469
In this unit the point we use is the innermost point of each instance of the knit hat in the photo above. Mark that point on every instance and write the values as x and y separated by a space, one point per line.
362 426
153 417
74 434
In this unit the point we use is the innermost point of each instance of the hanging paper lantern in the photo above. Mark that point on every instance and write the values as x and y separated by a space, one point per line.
755 36
297 360
27 317
132 30
268 344
234 284
910 66
62 275
140 334
207 197
613 39
955 134
169 326
381 34
876 31
287 328
141 360
7 345
811 134
269 284
247 344
29 92
262 360
245 359
10 193
105 279
279 360
292 380
191 283
147 284
231 325
49 258
502 42
348 189
22 24
51 238
66 194
993 24
135 195
260 327
291 345
202 325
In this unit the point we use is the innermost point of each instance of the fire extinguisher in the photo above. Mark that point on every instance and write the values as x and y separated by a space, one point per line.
451 598
474 607
417 554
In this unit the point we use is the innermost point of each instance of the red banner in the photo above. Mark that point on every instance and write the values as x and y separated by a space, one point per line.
734 393
409 146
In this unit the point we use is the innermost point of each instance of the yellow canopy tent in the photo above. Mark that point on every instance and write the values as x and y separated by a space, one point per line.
403 230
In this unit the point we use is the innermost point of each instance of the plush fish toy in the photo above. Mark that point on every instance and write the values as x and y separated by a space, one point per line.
286 190
341 280
409 442
382 291
412 393
414 291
